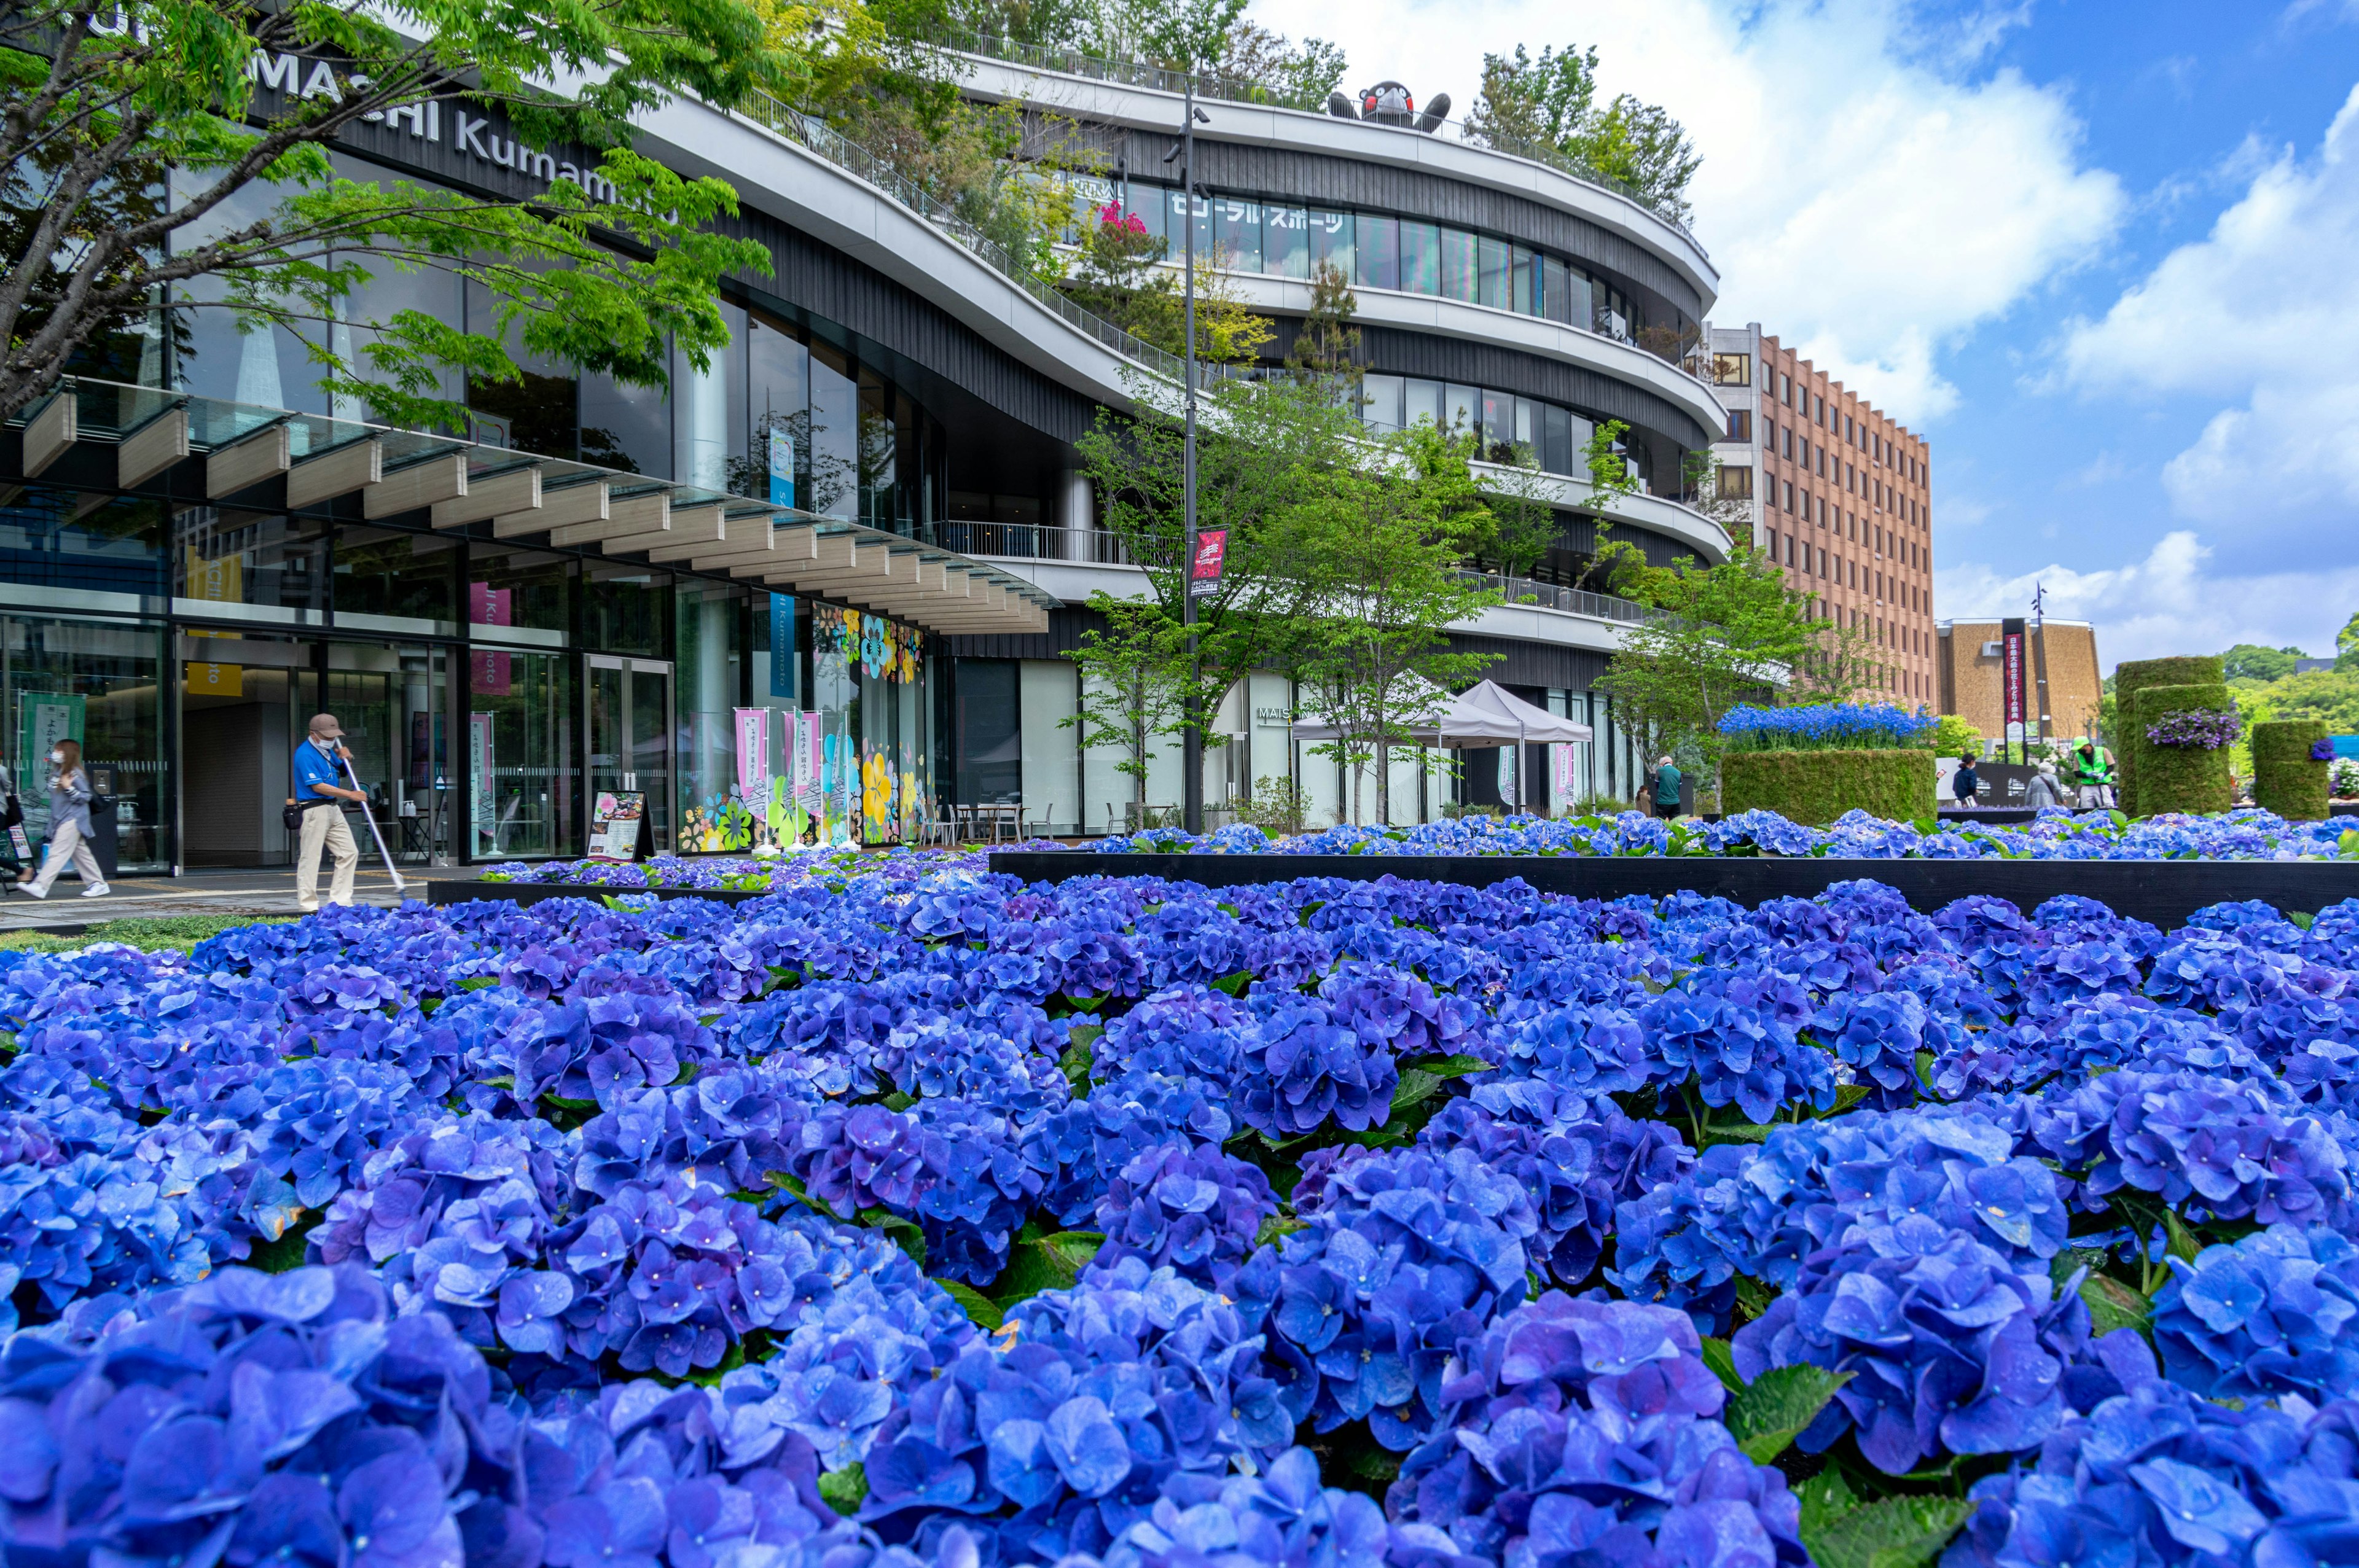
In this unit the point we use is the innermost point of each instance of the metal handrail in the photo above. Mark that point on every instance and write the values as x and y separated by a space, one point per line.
1524 590
1244 90
832 146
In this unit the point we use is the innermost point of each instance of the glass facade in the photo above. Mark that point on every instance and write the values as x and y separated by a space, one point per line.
1378 250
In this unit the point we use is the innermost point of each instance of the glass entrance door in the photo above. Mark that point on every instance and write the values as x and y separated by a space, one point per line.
630 734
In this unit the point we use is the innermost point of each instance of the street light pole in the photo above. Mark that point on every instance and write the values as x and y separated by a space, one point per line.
1191 742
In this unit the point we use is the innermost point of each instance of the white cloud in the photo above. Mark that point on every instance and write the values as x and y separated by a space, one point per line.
2263 310
2166 604
1865 195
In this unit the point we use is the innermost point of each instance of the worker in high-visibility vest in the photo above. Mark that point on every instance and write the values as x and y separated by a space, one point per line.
2092 771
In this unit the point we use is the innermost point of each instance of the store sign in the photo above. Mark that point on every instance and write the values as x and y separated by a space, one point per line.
475 136
216 680
488 606
614 819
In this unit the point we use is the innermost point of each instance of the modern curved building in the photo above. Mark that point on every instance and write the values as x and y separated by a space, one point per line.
837 572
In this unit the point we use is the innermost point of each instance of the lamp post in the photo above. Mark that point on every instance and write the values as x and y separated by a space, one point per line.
1192 740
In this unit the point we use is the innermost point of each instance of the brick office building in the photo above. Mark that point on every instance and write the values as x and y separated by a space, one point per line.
1841 497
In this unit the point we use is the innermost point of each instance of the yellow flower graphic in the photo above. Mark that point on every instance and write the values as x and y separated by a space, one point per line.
876 792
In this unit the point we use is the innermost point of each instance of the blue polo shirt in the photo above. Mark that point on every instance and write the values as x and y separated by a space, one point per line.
314 767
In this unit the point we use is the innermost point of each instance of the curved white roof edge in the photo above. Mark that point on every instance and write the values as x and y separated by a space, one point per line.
1485 324
796 186
1075 581
1267 125
1655 514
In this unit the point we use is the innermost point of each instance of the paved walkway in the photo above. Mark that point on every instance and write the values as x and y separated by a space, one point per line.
250 892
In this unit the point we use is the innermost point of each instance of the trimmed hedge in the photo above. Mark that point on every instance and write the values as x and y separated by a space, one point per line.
2285 780
1818 787
2177 778
2131 678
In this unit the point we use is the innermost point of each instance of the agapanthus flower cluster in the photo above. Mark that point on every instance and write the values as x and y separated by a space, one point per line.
1825 726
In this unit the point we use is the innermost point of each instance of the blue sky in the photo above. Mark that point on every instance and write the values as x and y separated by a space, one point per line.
2103 254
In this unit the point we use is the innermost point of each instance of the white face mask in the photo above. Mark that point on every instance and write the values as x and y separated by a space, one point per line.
57 756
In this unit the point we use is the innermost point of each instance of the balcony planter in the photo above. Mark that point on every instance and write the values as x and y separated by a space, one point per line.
1816 786
2289 775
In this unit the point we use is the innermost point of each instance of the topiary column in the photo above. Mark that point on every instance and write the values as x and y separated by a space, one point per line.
2188 778
2129 679
2287 778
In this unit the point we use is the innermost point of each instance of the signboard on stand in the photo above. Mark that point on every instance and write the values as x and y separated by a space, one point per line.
483 795
616 819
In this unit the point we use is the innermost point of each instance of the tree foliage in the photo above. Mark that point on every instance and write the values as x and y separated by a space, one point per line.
1721 636
1133 684
122 129
1550 101
2250 661
1381 544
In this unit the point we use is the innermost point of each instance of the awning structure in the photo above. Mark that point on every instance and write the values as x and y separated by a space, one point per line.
1533 725
1485 715
263 457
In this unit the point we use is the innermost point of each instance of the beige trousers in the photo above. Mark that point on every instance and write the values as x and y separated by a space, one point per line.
67 843
323 826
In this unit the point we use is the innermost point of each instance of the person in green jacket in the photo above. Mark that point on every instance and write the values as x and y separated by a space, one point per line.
1666 789
2092 773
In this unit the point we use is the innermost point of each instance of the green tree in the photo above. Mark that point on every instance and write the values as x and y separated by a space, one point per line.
1612 480
1546 101
1298 76
1953 737
1551 100
1133 685
1726 634
1326 351
92 119
1381 544
2346 644
1263 449
2250 661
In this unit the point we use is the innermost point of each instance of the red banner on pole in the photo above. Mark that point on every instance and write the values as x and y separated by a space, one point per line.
1205 571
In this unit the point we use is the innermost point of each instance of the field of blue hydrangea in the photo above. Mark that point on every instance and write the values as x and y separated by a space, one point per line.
2246 834
909 1216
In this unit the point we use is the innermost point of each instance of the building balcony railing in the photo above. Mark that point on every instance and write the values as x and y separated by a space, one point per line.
1244 90
1091 546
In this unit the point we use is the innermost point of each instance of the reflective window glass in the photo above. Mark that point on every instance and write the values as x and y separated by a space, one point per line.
1286 242
1381 408
1236 233
1332 242
1421 400
1379 251
1458 265
1493 260
1421 258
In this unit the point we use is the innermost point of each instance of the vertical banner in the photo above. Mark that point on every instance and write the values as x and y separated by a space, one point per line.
482 797
784 664
2011 676
754 764
1205 571
489 606
782 469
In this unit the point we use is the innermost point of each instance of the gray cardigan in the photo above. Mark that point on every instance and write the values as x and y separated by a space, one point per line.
70 797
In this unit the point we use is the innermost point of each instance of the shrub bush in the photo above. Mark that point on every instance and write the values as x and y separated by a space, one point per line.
2133 677
2177 778
2285 778
1818 787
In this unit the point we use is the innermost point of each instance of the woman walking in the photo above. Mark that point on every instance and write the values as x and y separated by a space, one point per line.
70 797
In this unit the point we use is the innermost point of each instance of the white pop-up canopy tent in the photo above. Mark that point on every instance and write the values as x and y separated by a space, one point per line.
1488 714
1534 726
